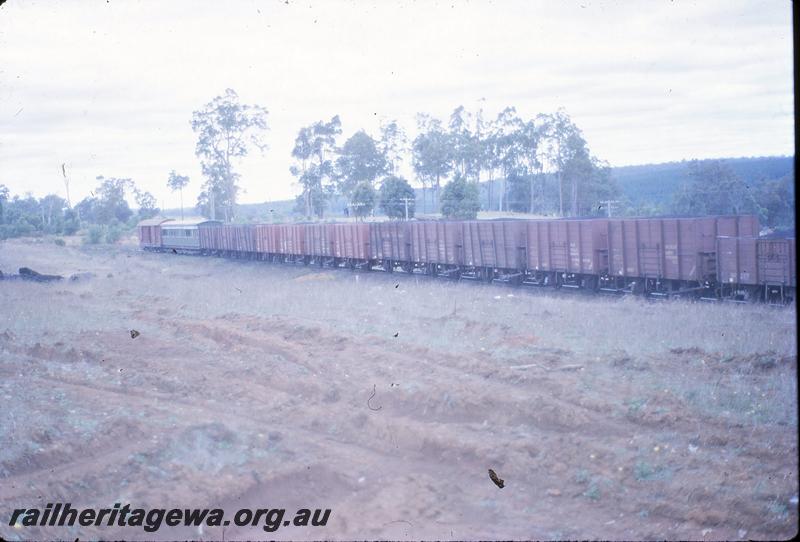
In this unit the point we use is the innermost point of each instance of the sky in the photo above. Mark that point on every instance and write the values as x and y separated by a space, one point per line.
108 88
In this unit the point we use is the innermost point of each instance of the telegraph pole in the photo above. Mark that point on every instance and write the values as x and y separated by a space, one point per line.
66 182
406 200
608 203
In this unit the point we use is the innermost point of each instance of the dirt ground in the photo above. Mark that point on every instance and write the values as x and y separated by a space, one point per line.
386 398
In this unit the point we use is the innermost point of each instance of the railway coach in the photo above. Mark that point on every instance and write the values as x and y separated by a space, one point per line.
183 235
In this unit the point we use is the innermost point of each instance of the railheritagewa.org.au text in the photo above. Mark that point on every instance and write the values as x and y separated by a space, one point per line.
151 520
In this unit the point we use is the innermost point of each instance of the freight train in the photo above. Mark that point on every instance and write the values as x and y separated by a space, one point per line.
719 257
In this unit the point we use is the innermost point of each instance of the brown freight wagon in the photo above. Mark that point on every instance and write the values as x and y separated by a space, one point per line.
712 227
237 239
752 268
494 244
211 240
320 240
272 240
737 260
266 239
437 243
733 226
682 249
777 263
656 248
233 240
566 246
291 239
350 241
150 232
390 241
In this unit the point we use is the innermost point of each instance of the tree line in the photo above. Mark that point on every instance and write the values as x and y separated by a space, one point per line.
105 214
465 163
537 165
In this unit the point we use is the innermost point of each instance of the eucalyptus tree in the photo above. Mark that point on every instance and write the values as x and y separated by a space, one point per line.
392 145
4 193
313 152
776 201
221 188
569 157
147 204
506 150
432 154
226 131
577 167
177 182
482 147
360 160
530 135
461 141
563 141
110 203
714 188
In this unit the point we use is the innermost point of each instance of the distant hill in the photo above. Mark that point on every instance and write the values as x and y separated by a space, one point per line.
644 184
656 183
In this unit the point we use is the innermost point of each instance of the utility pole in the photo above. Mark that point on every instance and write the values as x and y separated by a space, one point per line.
66 182
211 198
608 203
406 200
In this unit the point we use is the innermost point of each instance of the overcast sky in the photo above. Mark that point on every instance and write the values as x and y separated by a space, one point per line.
109 87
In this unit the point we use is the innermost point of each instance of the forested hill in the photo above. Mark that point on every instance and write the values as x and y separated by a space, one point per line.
644 189
656 184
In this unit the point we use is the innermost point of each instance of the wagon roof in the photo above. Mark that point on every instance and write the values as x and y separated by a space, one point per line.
154 221
191 222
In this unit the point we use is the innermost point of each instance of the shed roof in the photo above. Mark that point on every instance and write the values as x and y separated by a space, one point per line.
154 221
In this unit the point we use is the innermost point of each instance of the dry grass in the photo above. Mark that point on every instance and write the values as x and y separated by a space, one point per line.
680 416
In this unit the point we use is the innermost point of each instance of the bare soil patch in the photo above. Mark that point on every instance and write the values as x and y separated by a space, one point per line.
251 384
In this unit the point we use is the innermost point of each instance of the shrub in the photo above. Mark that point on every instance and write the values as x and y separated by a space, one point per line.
94 234
460 199
363 199
19 229
113 233
393 192
60 242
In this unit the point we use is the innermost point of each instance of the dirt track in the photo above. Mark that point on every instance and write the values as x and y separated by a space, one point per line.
250 385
